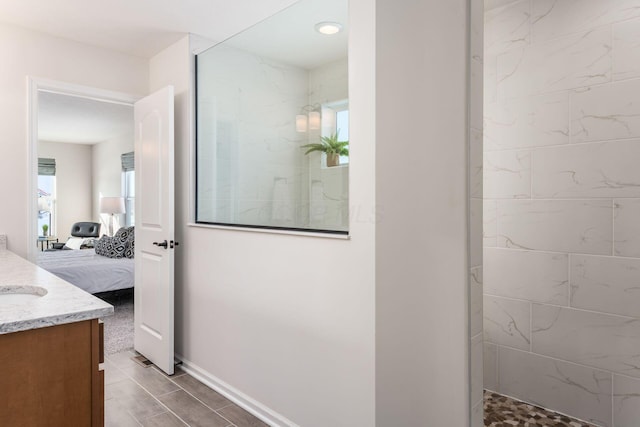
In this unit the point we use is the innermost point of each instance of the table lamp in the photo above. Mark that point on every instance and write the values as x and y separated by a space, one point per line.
112 206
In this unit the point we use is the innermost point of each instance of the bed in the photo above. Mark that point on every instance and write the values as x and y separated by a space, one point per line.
89 271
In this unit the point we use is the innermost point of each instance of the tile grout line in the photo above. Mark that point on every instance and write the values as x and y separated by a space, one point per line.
569 280
586 310
204 404
592 368
613 227
155 398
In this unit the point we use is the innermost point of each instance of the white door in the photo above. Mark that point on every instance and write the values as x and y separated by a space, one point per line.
154 246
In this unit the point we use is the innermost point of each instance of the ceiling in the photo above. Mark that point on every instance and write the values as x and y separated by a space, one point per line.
290 35
71 119
138 27
145 27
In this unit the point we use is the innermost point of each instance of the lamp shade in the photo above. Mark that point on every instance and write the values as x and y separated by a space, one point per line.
112 205
301 123
43 204
314 120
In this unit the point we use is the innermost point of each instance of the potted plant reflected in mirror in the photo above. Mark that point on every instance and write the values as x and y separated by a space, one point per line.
45 230
331 147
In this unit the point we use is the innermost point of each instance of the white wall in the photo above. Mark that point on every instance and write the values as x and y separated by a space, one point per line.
27 53
562 197
258 311
73 184
107 175
421 193
294 338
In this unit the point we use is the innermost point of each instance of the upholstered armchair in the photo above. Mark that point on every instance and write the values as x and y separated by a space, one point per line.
80 231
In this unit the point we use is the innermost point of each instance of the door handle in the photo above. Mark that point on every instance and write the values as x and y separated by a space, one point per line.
164 244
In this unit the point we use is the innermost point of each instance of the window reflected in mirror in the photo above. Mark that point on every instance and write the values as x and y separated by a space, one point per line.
272 145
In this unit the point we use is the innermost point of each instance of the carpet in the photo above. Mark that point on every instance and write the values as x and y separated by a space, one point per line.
118 329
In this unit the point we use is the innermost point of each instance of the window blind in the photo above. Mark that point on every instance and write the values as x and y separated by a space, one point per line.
128 161
46 166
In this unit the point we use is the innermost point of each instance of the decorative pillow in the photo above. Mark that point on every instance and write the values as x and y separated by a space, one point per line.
74 242
131 240
110 247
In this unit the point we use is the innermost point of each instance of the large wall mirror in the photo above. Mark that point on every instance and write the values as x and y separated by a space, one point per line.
273 123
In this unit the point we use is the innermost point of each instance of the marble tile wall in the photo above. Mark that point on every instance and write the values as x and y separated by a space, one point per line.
561 213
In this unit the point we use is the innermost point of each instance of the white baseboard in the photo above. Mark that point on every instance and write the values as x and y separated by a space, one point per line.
250 405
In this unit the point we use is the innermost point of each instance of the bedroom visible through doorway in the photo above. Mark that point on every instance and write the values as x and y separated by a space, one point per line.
84 157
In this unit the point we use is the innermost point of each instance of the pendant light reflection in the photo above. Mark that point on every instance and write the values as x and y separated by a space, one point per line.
301 123
314 120
310 118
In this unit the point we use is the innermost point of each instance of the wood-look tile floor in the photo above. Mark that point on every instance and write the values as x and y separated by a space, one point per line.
138 396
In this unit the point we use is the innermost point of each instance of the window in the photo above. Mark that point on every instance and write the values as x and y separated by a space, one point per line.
340 110
47 196
265 115
129 187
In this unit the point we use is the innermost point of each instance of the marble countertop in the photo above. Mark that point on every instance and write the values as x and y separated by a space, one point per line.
63 302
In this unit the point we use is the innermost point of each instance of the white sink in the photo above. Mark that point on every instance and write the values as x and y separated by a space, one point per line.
20 294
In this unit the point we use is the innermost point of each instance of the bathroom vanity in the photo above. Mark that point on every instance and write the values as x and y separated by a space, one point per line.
50 348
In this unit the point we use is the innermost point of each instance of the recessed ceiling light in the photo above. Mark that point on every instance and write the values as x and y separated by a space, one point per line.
328 28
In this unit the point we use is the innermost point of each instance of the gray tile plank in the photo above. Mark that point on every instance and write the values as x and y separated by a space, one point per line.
194 413
135 400
151 379
112 374
240 418
163 420
123 359
209 397
117 416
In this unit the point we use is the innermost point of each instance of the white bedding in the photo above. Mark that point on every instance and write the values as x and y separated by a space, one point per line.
89 271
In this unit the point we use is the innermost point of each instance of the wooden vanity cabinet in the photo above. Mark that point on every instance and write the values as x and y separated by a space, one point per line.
51 376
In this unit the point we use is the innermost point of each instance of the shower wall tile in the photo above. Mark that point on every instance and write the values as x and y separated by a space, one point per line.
476 369
475 240
582 226
507 322
606 169
598 340
490 72
532 121
626 401
533 276
490 363
553 18
475 283
507 174
565 387
492 4
567 63
606 112
507 27
626 227
490 223
606 284
626 50
475 163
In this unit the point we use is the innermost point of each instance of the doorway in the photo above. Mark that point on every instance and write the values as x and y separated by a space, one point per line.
82 155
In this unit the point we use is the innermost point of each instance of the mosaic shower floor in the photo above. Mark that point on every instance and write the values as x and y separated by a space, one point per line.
502 411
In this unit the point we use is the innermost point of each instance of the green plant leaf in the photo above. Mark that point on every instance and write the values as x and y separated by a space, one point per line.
329 145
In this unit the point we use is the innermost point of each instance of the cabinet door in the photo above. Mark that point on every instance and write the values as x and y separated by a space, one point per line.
49 377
